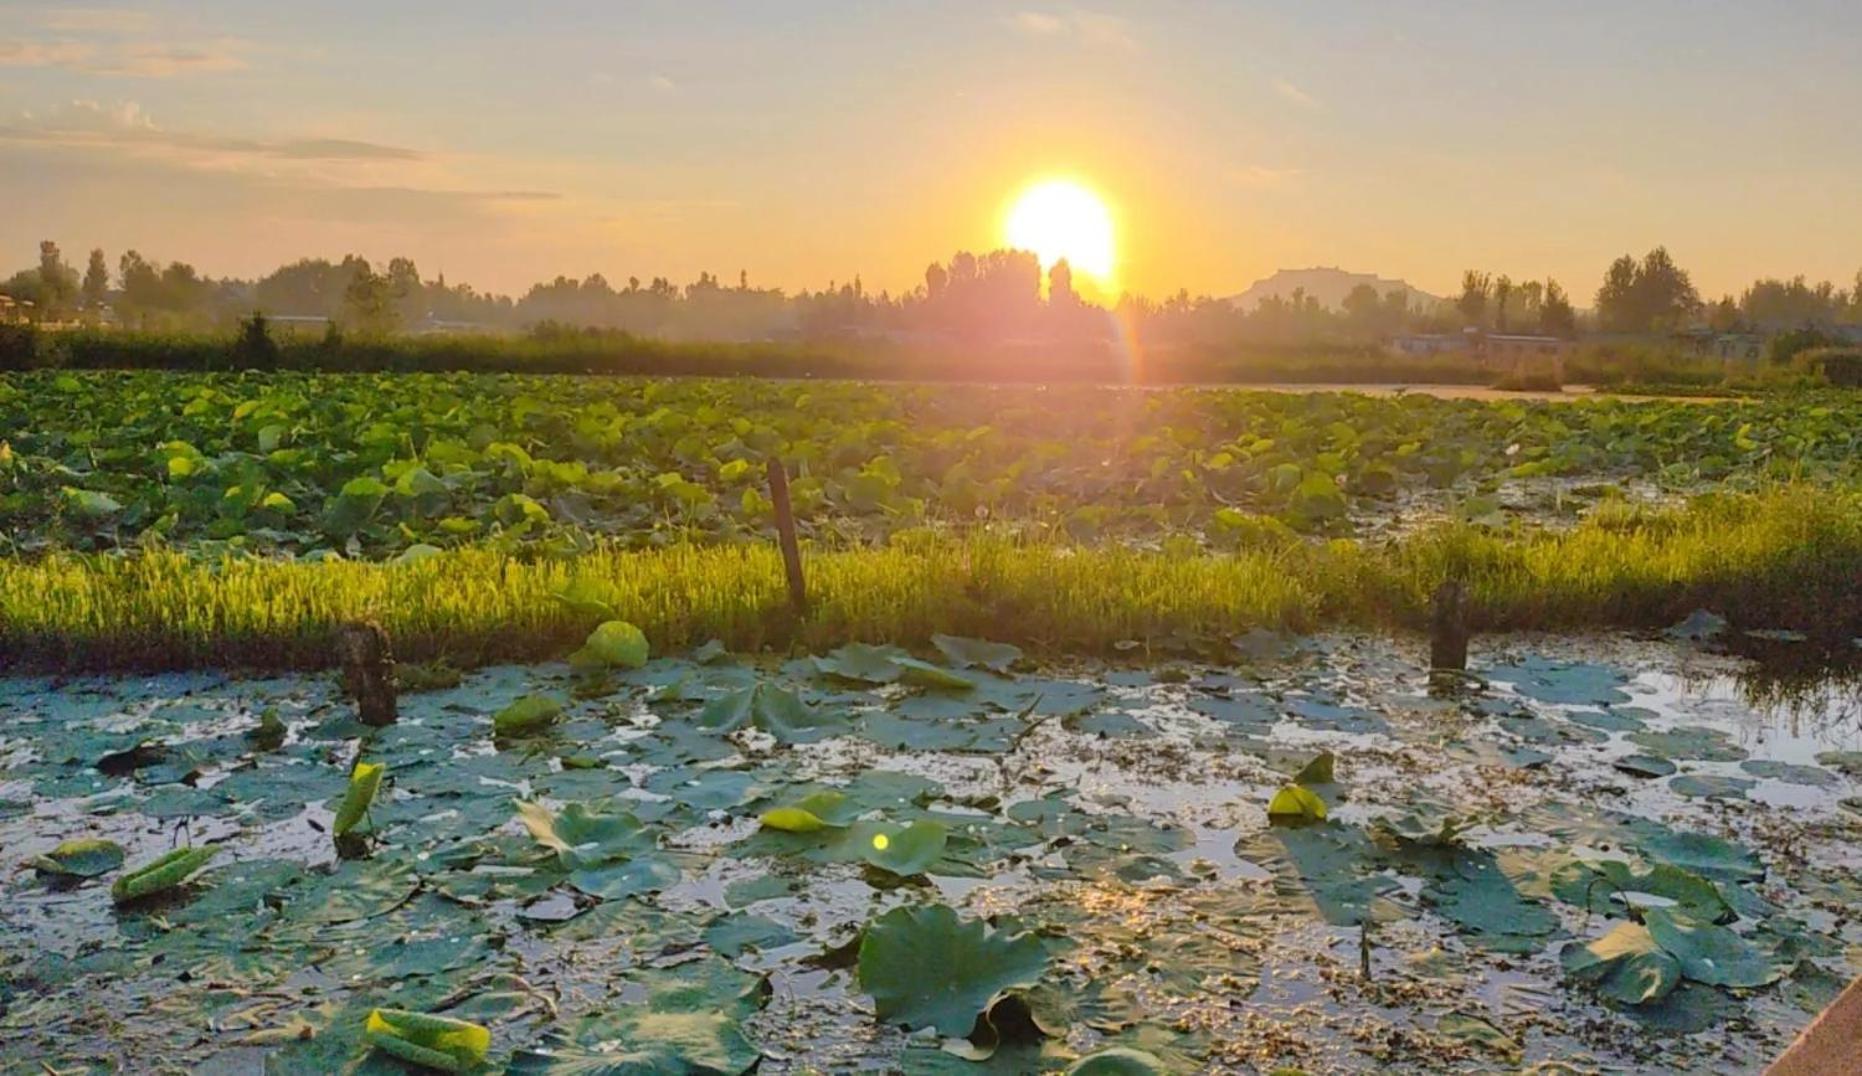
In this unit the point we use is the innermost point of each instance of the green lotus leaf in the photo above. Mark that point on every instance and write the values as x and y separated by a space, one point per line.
1626 965
162 874
364 781
926 967
615 644
774 710
84 857
1711 954
967 653
435 1042
526 716
1608 886
906 851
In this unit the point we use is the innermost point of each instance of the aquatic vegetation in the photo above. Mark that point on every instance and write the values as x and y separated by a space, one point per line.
637 886
1792 557
399 465
161 874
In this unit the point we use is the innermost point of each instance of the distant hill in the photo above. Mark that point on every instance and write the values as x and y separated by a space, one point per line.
1328 285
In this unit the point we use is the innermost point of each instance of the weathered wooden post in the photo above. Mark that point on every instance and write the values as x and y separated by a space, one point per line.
368 670
1448 630
785 532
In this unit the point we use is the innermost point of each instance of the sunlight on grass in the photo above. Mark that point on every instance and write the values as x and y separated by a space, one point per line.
1791 558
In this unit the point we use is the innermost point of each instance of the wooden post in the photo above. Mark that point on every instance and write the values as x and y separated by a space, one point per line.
785 531
1832 1043
1448 632
368 671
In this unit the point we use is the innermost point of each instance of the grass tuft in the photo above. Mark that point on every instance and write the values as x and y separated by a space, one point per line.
1789 558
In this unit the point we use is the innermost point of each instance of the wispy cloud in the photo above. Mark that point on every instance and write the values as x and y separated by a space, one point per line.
1091 28
44 53
1293 93
342 172
126 126
662 84
128 59
95 20
1261 176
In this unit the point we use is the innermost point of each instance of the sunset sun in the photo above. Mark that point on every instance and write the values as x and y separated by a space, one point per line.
1061 219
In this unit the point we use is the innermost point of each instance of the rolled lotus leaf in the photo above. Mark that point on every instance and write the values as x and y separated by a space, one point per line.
528 715
438 1042
364 781
85 857
165 873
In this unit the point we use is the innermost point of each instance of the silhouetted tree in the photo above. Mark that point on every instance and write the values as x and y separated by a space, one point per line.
96 281
1502 293
1556 317
1475 289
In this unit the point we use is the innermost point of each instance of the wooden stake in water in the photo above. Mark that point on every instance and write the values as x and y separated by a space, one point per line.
368 671
785 531
1448 634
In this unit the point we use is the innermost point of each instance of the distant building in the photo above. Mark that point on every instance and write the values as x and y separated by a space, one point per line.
1417 344
1498 347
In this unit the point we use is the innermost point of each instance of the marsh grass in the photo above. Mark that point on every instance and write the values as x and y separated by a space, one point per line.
1790 558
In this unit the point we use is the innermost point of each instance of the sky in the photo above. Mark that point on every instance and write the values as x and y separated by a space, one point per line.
808 141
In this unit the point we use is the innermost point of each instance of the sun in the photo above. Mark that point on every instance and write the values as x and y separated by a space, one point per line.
1059 219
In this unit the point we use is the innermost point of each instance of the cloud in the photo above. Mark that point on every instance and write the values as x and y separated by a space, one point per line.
1038 24
662 84
129 59
44 53
88 124
1090 28
1261 176
95 20
1296 95
345 177
168 61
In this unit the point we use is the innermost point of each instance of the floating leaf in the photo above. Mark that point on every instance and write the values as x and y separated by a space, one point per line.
1478 1031
812 813
1317 772
1694 743
1118 1061
1713 857
1790 773
924 674
907 851
270 733
1625 965
526 716
1711 954
437 1042
620 878
1708 786
967 653
84 857
1644 766
1609 885
615 644
164 873
778 712
926 967
364 780
862 664
582 836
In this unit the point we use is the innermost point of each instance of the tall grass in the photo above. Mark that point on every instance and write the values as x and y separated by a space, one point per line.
1791 558
621 354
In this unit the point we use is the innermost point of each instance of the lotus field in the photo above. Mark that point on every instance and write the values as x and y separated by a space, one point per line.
1104 742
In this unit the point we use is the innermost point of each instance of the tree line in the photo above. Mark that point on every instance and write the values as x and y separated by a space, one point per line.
998 296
